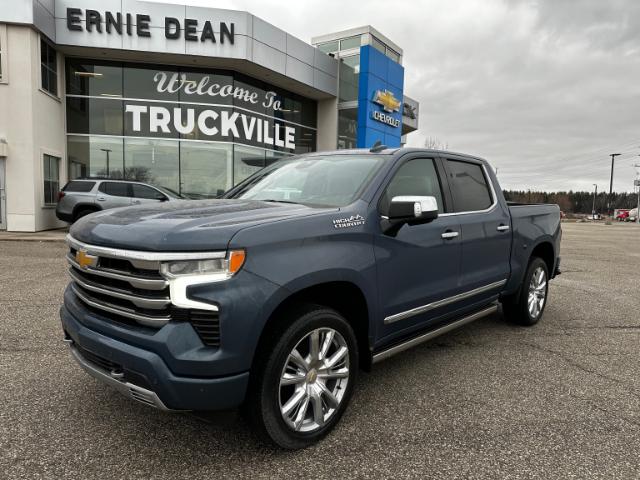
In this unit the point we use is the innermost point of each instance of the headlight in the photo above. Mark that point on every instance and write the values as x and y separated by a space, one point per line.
225 267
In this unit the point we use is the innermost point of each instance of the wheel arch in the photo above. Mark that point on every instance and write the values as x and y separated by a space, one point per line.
345 297
82 206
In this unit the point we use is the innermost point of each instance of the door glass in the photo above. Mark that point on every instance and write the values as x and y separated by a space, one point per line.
469 186
115 189
417 177
142 191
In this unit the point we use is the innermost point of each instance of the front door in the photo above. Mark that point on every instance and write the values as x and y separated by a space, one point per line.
420 264
3 197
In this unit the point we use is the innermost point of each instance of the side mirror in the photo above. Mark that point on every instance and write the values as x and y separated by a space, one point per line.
412 210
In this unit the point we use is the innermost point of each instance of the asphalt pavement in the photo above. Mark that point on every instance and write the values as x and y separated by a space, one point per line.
491 400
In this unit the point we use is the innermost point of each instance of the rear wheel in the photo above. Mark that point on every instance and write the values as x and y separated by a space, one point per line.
305 373
527 306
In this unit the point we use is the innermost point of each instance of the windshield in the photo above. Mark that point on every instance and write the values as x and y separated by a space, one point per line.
332 180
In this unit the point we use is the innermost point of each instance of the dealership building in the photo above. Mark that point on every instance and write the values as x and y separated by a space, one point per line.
188 98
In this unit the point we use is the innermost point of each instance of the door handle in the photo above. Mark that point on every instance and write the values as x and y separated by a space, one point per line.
450 235
136 202
101 199
503 228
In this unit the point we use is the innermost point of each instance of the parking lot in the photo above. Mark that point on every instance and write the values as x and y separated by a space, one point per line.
558 400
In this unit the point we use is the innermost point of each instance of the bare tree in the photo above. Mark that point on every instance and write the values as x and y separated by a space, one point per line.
433 143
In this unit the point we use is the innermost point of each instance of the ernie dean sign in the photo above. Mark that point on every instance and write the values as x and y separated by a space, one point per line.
139 24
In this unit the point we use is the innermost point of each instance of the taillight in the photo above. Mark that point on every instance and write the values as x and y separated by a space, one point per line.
60 195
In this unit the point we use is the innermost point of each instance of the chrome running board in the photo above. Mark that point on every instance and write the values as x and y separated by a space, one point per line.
383 355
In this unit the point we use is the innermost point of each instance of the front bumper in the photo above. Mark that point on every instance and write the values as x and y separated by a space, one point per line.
144 376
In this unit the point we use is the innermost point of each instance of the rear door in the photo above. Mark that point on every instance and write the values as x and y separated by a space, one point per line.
420 264
146 194
485 226
114 194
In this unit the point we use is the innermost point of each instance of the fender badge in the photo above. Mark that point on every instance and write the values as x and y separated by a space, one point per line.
352 221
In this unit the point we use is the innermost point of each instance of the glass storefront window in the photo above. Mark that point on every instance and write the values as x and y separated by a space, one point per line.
351 42
94 79
94 115
347 127
95 157
199 139
393 55
246 162
329 47
202 87
206 169
378 45
349 78
149 82
152 161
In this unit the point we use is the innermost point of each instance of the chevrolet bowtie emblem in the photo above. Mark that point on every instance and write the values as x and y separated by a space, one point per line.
387 101
85 260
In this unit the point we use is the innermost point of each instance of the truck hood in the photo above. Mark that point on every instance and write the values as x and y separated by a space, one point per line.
182 226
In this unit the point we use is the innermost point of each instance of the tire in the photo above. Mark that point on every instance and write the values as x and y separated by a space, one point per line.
535 288
83 212
276 409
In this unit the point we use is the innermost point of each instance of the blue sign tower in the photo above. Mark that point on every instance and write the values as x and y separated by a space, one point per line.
380 94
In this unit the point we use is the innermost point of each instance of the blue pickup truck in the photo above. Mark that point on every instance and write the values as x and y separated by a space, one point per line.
274 296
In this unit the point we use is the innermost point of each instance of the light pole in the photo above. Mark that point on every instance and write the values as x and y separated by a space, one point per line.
613 157
637 182
107 151
593 209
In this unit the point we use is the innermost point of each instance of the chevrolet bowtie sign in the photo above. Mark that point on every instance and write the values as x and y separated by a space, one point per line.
389 103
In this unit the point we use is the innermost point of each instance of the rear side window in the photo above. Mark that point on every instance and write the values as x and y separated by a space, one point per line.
416 177
142 191
468 186
115 189
76 186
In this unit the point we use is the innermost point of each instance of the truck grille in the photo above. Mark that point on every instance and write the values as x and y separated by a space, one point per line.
133 291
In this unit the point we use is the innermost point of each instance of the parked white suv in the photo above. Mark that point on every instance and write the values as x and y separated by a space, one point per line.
84 196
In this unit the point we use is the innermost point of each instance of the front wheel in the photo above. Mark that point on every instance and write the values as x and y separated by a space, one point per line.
527 306
305 373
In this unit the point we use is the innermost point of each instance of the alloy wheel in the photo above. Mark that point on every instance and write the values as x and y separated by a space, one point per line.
314 380
537 292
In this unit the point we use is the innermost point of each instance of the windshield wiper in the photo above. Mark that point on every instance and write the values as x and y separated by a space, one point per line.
271 200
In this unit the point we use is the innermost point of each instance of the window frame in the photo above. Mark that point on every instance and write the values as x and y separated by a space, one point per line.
57 94
48 154
487 178
440 173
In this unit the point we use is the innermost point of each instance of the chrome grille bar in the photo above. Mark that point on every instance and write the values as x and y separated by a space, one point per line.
147 320
134 281
139 301
142 255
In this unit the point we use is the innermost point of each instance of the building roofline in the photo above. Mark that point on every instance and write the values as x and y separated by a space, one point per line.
356 31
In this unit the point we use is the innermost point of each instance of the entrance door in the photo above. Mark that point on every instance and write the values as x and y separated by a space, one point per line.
3 197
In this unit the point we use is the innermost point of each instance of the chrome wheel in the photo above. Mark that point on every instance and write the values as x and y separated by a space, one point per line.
537 292
314 380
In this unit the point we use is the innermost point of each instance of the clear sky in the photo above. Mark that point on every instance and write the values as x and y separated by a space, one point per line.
543 89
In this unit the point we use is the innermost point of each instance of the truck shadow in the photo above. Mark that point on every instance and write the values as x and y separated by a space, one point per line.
166 439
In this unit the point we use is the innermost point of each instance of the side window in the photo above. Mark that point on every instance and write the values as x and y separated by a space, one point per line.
142 191
468 186
416 177
51 177
48 68
115 189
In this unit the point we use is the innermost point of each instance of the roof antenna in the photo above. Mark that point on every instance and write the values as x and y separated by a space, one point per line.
377 147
